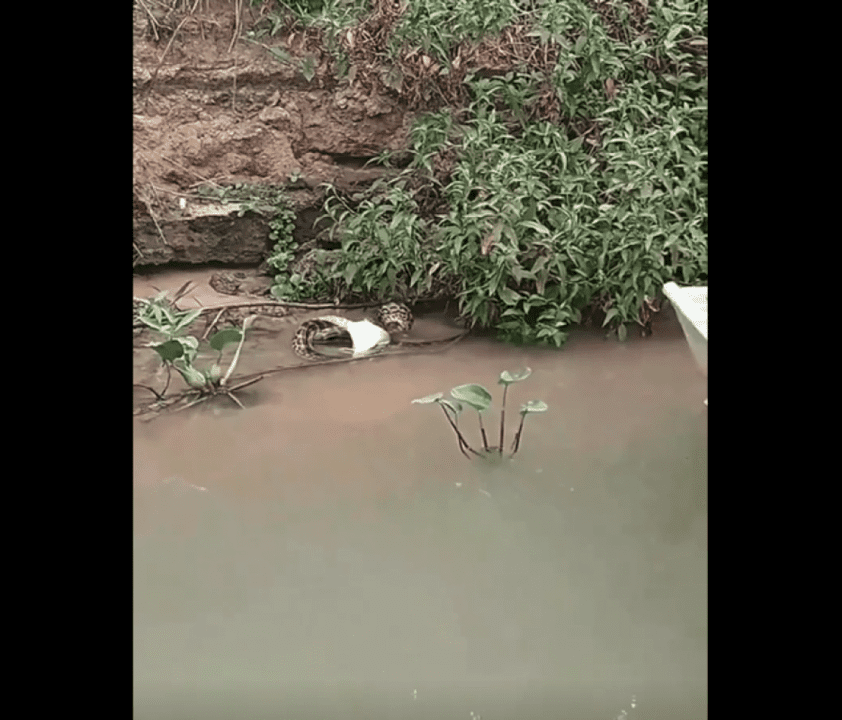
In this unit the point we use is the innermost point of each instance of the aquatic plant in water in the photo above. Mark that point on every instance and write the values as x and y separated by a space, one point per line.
179 352
478 398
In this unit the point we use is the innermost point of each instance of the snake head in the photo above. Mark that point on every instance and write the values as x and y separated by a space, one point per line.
395 318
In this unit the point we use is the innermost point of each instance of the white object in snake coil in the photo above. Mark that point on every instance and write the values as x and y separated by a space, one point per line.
367 337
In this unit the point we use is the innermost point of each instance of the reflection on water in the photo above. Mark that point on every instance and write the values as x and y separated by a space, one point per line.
346 561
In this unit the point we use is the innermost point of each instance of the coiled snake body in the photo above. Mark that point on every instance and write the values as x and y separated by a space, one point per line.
368 337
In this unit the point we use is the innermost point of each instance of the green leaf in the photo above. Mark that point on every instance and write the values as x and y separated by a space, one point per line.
508 296
533 406
190 345
308 68
224 337
416 276
622 332
519 273
190 374
507 378
280 55
435 397
473 395
183 320
169 350
536 226
349 273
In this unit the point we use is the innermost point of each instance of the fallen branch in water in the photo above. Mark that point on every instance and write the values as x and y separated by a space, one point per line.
304 306
407 347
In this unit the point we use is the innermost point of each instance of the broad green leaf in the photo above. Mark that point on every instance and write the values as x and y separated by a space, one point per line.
536 226
169 350
508 296
533 406
507 378
429 398
609 315
539 264
519 273
224 337
476 396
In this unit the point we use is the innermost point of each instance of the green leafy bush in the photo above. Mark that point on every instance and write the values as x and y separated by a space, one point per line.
384 254
574 182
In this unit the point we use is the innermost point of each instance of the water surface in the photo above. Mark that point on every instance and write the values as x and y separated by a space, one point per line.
328 552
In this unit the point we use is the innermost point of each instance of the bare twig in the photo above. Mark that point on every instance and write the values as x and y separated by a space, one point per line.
152 18
181 292
306 306
166 386
155 220
439 345
161 61
212 325
234 398
245 384
243 381
152 390
238 9
199 399
211 182
248 321
234 91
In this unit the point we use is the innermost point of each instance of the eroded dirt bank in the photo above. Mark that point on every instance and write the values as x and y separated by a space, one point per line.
211 112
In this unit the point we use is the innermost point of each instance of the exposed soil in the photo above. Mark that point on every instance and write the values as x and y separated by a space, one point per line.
214 107
208 111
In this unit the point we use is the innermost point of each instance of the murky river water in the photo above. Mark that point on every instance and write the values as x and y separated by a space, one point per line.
328 552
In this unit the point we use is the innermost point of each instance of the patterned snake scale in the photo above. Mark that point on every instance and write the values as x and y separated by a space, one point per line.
390 320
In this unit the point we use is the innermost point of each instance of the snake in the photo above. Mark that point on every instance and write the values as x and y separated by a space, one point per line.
369 337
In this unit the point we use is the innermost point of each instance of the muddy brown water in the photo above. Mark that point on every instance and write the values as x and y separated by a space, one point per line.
328 552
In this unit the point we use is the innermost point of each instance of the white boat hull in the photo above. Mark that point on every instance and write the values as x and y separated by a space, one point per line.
691 307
